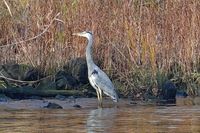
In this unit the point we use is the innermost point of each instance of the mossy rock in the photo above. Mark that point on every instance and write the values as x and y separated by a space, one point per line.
78 69
4 98
14 71
19 72
65 81
51 105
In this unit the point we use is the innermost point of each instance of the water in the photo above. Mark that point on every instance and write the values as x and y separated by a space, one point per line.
110 119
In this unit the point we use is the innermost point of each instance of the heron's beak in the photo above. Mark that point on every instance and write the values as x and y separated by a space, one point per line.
77 34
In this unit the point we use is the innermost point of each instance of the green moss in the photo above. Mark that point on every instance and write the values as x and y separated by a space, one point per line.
2 84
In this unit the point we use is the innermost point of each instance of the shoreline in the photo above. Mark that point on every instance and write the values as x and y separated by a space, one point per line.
84 103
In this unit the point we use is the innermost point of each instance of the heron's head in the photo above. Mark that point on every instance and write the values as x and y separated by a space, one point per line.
87 34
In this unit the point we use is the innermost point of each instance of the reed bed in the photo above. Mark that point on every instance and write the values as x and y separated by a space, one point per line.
140 43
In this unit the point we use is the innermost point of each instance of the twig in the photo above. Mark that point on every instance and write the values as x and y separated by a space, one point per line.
30 39
21 81
8 7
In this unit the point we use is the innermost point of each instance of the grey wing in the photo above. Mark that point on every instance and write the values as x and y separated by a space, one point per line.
103 82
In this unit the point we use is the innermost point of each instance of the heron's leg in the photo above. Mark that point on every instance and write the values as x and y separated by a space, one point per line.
101 99
98 96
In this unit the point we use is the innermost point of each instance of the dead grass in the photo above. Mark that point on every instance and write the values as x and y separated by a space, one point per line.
130 35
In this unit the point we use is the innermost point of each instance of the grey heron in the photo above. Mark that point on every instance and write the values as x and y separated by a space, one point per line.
98 79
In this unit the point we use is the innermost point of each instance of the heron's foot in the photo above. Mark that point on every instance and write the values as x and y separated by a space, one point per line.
100 105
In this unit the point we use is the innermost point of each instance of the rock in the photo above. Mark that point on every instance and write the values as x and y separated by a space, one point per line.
14 71
35 98
53 106
132 102
65 81
71 99
4 98
78 69
32 75
77 106
168 93
60 97
47 83
182 94
19 72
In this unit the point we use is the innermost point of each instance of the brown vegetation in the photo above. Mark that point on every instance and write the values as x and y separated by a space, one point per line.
139 42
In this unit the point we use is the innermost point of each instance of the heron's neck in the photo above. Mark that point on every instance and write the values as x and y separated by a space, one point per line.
89 58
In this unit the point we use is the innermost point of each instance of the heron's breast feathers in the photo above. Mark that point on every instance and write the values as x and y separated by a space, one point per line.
100 80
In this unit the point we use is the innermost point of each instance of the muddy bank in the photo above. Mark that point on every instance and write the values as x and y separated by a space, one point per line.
81 103
69 103
24 82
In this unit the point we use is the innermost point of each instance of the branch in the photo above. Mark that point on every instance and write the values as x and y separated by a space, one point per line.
8 7
21 81
30 39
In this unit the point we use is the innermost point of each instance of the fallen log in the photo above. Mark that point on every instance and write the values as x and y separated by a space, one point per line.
24 92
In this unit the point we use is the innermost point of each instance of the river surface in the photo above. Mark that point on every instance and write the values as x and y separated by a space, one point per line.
123 118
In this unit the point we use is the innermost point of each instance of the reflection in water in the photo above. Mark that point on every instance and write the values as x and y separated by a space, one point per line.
100 120
124 119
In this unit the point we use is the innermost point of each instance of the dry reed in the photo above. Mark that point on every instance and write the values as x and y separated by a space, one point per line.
134 39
